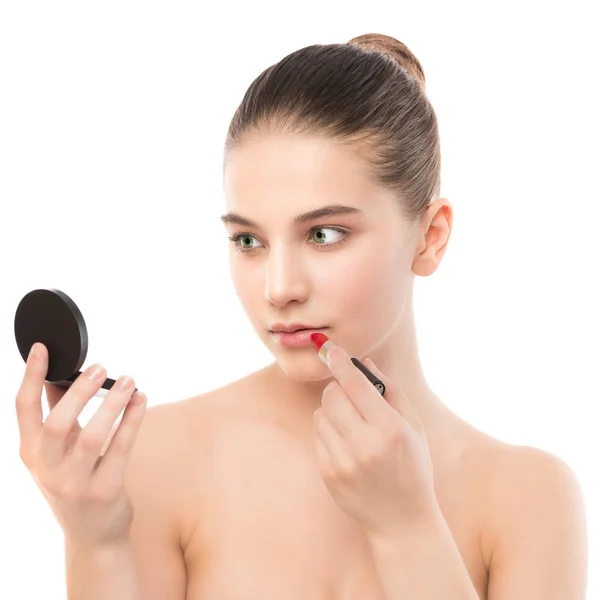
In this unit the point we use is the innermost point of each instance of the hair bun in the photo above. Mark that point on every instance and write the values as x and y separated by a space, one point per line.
394 48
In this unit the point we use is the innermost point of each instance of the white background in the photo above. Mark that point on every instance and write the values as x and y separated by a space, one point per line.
112 120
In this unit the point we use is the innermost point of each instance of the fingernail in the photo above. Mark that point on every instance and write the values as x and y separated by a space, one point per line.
33 352
324 352
124 382
94 371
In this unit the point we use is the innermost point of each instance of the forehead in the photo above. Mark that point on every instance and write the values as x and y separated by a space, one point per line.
295 173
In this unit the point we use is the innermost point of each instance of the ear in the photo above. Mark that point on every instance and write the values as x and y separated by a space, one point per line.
437 227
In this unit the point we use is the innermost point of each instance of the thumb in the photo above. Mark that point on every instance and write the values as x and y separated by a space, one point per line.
54 395
53 392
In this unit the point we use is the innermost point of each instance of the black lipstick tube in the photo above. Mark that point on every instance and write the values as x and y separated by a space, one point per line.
379 385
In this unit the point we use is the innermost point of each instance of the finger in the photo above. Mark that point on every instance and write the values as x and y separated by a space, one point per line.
396 396
367 400
93 437
63 417
336 446
343 414
111 470
54 394
28 402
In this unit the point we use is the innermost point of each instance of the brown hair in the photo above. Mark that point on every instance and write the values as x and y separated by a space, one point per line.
369 92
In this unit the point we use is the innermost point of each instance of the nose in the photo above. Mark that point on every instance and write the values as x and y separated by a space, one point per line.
285 277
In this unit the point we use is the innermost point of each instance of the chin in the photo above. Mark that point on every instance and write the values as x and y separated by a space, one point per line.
303 367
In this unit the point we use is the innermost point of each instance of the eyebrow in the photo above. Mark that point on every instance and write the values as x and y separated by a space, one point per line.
319 213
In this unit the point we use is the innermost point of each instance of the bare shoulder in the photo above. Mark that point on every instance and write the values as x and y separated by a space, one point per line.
157 483
156 470
162 481
525 488
165 435
173 436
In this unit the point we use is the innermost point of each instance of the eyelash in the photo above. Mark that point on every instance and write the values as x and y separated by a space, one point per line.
236 237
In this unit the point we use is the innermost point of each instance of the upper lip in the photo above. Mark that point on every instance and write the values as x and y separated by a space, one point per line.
291 327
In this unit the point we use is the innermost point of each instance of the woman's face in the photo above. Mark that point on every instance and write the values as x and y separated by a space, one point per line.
355 282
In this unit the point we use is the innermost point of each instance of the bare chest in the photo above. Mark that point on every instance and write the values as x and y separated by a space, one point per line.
264 526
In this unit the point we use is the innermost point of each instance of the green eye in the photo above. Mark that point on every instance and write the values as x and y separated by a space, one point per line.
321 237
246 238
240 239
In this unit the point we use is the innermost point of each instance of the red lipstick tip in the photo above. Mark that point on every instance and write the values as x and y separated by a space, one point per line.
318 339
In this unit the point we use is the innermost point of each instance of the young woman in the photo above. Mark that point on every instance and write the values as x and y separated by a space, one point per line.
301 481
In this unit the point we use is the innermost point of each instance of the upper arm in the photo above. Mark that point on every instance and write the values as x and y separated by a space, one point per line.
540 540
154 533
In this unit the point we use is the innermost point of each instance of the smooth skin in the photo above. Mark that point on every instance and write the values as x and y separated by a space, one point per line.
86 494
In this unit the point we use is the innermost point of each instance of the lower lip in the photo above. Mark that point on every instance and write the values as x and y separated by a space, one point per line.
297 338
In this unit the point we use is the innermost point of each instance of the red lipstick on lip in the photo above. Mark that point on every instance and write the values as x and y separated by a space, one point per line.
318 339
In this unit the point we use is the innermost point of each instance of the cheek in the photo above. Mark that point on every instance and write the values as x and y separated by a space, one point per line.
369 289
369 276
246 282
351 287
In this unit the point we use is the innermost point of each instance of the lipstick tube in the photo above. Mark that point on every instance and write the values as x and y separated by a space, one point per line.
377 383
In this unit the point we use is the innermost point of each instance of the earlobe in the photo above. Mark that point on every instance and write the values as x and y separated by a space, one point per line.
426 263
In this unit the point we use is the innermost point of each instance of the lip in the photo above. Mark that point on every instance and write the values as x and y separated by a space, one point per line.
297 338
292 327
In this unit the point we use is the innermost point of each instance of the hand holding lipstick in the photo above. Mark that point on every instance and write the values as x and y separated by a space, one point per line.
373 454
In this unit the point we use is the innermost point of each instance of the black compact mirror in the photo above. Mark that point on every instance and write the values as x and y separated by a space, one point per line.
52 318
